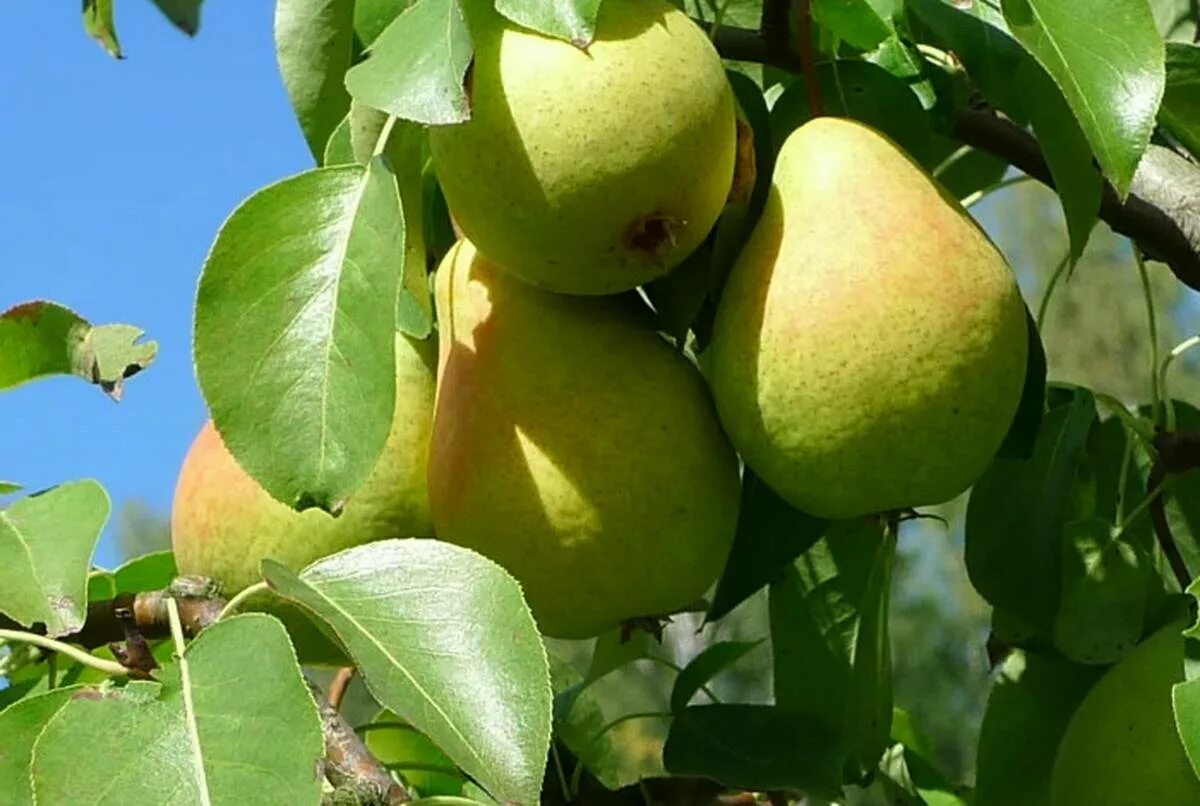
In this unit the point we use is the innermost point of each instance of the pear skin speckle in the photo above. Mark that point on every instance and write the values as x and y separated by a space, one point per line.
870 344
567 149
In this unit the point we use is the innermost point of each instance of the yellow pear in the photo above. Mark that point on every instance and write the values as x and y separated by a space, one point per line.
575 447
590 170
1121 747
223 524
869 347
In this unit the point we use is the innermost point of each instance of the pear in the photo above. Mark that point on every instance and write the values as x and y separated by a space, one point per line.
223 524
575 447
590 170
869 347
1121 747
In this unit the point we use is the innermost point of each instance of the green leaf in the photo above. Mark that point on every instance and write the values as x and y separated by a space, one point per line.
1103 593
739 216
1183 496
865 92
614 650
704 667
905 62
443 638
46 545
1067 153
339 150
44 338
26 675
980 39
1180 111
771 533
829 634
1027 714
410 753
1183 25
862 23
1022 434
9 487
573 21
1172 18
404 150
20 725
295 330
1016 513
1108 447
98 22
415 69
232 717
912 774
756 747
372 16
739 13
580 725
183 14
149 572
314 45
906 766
1185 704
754 112
1110 70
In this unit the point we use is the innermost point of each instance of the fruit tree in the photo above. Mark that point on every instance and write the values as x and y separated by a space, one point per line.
593 321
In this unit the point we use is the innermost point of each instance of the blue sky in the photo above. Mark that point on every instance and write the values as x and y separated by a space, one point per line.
115 178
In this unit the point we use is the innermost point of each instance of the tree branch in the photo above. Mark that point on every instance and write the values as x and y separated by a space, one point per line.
808 58
1162 527
338 686
1178 452
1161 213
774 26
349 766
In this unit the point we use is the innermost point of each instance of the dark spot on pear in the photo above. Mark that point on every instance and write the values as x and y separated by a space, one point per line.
653 234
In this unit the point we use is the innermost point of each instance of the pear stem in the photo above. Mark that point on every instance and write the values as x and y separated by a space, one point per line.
1176 351
1152 323
338 686
1153 212
237 601
109 667
1040 320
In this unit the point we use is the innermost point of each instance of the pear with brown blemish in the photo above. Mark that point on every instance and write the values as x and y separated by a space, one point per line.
870 343
593 170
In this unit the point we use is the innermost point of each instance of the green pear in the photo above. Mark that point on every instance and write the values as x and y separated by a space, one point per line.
590 170
223 524
402 748
576 448
869 346
1121 747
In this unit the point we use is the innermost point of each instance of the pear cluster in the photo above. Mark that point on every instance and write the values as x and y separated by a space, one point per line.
868 352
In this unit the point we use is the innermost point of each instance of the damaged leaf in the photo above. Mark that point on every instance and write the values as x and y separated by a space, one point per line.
46 545
44 338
